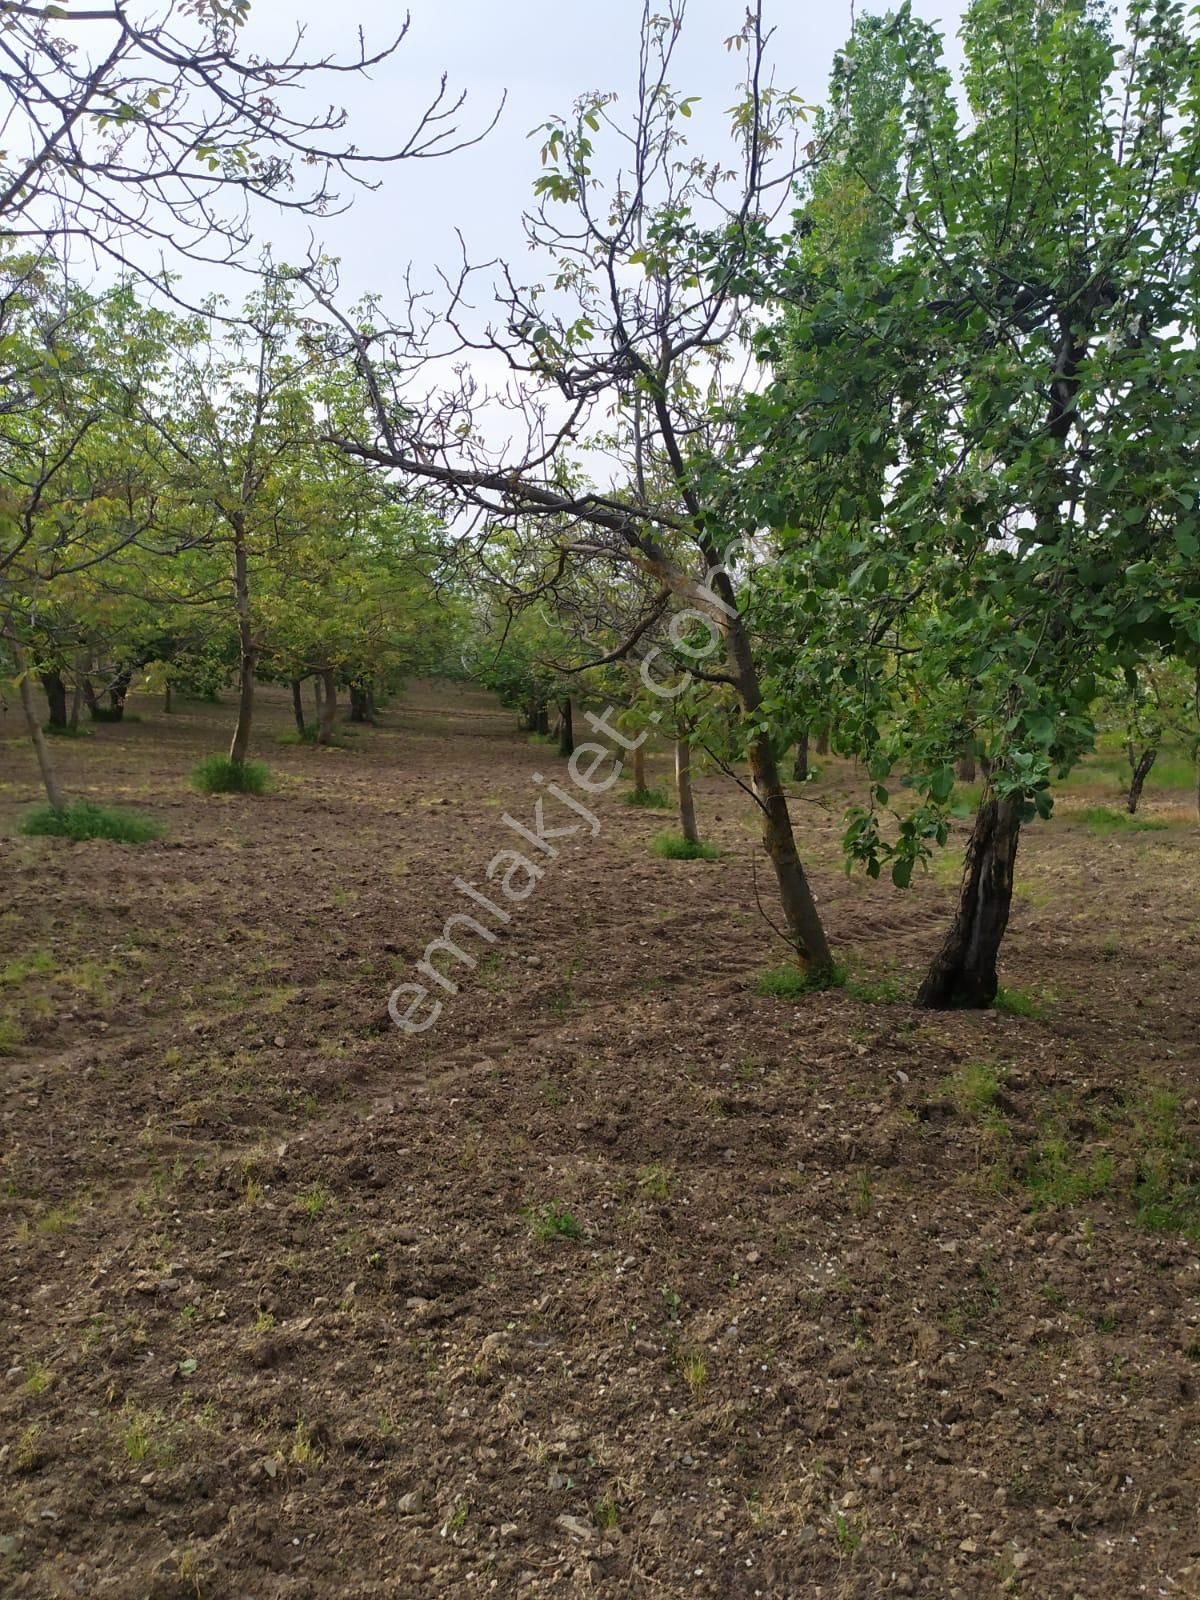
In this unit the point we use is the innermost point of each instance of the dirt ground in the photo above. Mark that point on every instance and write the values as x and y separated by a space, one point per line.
622 1280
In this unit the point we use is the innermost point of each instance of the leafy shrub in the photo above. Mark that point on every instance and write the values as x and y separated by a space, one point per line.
82 820
220 775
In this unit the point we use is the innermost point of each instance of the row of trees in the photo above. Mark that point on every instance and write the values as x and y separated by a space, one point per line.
881 432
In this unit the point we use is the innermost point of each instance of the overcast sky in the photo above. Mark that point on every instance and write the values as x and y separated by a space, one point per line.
544 54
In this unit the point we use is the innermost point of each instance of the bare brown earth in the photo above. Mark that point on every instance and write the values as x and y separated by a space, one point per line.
276 1316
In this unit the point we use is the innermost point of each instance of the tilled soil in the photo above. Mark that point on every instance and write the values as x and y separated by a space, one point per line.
622 1280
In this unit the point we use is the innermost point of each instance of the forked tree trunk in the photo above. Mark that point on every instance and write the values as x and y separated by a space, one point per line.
240 745
56 696
966 771
566 727
800 765
683 789
297 707
1141 766
639 769
50 781
964 971
328 707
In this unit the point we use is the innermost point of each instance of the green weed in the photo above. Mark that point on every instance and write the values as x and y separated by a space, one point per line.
81 820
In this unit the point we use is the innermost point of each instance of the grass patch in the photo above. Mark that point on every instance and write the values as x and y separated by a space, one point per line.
1103 820
1057 1176
52 730
1024 1002
874 991
110 714
543 738
551 1222
36 964
649 799
220 775
976 1087
12 1036
82 820
792 983
674 847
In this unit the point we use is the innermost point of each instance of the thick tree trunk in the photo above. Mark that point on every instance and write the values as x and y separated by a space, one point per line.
639 769
966 770
541 722
89 697
800 765
964 971
167 706
317 692
77 694
1141 766
298 707
56 696
823 742
117 692
328 707
683 790
240 745
566 727
50 781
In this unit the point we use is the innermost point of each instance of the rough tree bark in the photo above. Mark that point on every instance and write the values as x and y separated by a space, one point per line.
966 770
639 769
297 707
800 764
964 971
328 706
56 696
683 790
1140 766
566 727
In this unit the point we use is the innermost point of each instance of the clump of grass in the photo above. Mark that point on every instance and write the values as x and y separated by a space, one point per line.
648 799
314 1200
12 1036
1057 1176
81 820
1023 1002
54 730
309 736
694 1370
220 775
977 1086
655 1181
875 991
608 1512
552 1222
36 963
674 847
1102 819
793 983
543 738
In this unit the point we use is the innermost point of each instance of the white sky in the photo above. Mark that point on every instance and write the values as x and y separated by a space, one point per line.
544 53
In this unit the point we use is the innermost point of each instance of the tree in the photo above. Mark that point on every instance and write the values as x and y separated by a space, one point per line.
652 280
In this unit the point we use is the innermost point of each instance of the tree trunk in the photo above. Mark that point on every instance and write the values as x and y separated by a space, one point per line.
117 691
804 925
639 769
964 971
297 707
317 702
566 727
167 698
683 789
240 745
56 696
89 697
541 723
54 792
966 770
328 707
362 703
1141 771
77 692
823 742
800 765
